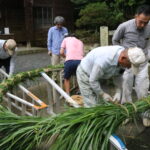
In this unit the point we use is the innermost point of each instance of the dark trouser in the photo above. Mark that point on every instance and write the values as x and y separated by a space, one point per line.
70 68
5 63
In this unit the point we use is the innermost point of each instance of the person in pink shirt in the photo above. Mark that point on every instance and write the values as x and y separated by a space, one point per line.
73 49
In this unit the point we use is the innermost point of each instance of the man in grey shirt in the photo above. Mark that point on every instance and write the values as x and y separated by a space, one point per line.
103 63
135 32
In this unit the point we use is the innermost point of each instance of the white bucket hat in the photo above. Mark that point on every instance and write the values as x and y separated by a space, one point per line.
10 46
136 57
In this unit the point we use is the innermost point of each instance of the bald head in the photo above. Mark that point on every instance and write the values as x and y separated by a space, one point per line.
124 59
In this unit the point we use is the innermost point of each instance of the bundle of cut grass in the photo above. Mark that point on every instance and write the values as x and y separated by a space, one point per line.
75 129
22 76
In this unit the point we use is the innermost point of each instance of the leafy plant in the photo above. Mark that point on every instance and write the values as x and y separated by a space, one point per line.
20 77
95 15
75 129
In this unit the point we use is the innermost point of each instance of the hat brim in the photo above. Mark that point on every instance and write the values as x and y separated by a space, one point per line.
10 52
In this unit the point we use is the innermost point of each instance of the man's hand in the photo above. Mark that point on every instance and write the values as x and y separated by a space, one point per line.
10 75
146 118
50 53
106 97
117 97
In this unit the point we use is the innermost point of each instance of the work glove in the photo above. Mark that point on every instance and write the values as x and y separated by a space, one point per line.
50 53
146 122
117 96
10 75
146 118
106 97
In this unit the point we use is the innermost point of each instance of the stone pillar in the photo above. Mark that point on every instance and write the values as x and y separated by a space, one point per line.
103 35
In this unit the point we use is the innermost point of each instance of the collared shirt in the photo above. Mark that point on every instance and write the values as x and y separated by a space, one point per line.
5 55
74 48
128 35
55 37
101 63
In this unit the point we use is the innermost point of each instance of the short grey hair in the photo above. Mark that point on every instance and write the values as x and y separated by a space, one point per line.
59 20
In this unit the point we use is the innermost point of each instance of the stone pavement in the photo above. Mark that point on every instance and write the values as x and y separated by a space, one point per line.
31 58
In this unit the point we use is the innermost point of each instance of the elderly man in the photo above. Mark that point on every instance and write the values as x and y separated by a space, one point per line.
103 63
55 37
7 55
135 32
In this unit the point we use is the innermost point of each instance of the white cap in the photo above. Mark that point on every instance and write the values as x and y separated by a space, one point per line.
10 46
136 57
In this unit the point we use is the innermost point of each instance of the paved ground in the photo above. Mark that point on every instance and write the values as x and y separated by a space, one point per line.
30 59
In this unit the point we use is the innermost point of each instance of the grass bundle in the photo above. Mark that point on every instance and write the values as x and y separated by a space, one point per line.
9 83
75 129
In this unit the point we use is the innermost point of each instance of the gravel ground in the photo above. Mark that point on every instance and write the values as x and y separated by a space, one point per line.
31 61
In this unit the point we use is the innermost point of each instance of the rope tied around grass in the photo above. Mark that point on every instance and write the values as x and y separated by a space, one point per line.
134 106
124 108
147 101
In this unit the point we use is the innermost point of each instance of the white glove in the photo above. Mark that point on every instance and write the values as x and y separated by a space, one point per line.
117 96
106 97
146 118
10 75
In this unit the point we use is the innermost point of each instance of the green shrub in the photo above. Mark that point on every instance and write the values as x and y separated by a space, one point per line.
88 36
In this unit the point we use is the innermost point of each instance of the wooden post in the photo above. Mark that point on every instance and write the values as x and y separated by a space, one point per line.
103 35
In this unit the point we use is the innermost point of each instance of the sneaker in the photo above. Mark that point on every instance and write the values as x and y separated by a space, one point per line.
146 118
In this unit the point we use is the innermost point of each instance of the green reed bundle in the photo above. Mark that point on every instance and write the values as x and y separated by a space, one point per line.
75 129
9 83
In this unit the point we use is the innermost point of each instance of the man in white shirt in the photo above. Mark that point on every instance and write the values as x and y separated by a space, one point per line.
104 63
7 55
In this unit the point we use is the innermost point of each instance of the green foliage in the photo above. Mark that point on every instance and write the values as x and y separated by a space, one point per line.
110 13
75 129
126 7
92 17
88 36
9 83
95 15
